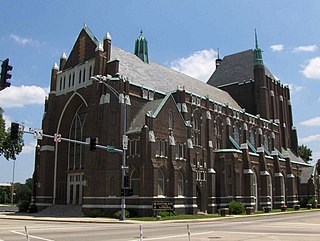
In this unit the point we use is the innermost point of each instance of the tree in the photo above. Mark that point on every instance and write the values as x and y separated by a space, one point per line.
24 191
9 148
305 153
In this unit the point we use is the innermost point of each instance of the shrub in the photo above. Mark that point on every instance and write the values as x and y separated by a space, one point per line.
166 214
236 207
33 209
23 205
98 213
312 200
117 214
308 200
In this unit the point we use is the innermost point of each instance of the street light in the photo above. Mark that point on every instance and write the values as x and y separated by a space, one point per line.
123 100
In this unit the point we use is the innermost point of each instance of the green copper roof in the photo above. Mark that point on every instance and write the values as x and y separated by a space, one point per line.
257 52
141 48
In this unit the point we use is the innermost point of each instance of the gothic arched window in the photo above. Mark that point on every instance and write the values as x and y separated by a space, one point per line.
180 184
236 133
252 137
171 120
135 182
161 182
218 133
76 151
196 130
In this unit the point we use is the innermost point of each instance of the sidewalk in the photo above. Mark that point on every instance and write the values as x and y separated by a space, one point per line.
35 217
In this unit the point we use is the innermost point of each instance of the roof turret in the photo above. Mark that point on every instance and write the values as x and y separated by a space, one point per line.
257 52
141 48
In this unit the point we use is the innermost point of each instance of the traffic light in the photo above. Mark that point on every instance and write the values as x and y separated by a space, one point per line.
14 131
93 143
5 68
126 182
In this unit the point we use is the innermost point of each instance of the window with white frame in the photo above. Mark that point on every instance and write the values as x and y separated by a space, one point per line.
135 182
180 184
161 148
84 75
80 77
134 147
161 182
196 131
181 151
171 121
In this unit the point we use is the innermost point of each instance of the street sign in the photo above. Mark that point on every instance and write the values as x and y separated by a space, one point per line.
125 142
110 148
57 137
162 206
38 134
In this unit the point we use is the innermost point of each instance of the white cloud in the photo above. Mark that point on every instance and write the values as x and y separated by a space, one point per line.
17 97
311 138
199 65
312 70
311 122
7 120
277 47
306 48
315 157
29 148
295 88
26 41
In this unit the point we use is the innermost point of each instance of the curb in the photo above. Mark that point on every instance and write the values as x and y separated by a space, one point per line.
11 216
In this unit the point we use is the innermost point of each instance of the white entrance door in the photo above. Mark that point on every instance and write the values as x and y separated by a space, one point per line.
75 188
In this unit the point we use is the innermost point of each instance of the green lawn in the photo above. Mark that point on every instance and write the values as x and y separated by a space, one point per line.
181 217
176 217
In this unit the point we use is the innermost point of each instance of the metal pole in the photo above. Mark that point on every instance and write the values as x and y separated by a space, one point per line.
55 173
141 233
12 186
123 198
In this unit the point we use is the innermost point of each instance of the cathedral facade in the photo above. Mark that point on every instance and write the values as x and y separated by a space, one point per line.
196 145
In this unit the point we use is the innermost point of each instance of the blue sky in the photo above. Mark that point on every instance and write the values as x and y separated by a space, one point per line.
182 34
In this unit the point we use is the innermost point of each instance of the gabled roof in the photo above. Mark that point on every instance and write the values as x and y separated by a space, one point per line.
236 68
164 79
83 49
152 108
139 120
294 158
306 173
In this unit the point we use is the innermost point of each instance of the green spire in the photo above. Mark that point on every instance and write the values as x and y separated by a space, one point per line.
257 52
141 48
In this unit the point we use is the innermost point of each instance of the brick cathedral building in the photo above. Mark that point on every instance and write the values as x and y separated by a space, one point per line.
194 144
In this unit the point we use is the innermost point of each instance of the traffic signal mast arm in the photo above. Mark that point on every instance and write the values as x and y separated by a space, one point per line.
106 148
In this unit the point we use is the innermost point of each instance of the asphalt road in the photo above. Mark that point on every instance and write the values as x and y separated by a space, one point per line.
297 226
